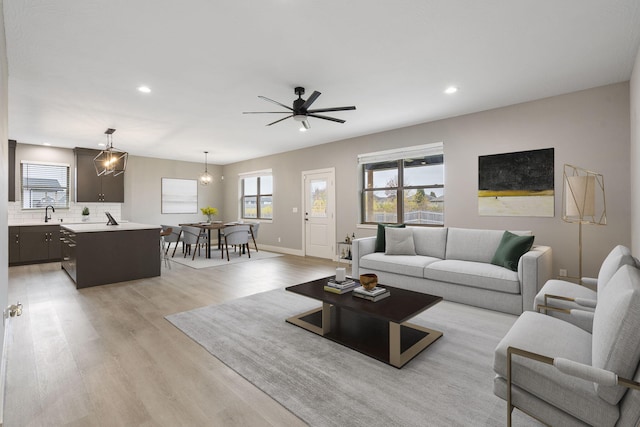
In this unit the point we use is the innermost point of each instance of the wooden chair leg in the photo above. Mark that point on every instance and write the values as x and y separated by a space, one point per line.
248 252
194 249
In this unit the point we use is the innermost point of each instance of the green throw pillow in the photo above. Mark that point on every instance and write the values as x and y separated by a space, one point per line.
510 249
380 241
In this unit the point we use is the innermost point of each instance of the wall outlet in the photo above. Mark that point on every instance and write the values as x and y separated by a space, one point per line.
294 210
563 272
279 240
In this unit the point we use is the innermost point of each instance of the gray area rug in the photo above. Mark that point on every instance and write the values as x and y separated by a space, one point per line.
325 384
217 261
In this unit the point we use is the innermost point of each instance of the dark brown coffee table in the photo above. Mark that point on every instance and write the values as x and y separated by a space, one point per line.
377 329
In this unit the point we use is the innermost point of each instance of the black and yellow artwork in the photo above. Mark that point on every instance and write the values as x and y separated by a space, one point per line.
516 184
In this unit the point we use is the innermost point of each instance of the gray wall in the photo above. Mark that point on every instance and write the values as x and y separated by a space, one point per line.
4 173
142 190
589 129
635 156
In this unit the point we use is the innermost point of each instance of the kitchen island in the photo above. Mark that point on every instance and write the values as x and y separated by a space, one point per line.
98 254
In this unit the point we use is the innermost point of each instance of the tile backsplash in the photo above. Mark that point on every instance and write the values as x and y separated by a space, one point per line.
16 215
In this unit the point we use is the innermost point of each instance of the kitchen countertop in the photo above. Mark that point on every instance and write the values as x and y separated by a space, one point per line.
99 227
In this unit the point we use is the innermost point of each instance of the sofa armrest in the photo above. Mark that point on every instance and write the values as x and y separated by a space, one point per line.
359 248
534 269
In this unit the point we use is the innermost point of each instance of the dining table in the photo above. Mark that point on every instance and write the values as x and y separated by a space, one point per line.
217 225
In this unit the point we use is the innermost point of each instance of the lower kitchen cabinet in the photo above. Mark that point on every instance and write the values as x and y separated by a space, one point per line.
34 244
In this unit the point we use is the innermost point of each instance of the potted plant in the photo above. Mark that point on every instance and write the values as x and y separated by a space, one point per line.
85 214
209 212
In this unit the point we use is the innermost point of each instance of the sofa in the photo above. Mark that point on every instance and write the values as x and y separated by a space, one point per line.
455 263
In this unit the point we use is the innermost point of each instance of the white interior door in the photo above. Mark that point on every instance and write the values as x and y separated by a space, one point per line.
319 213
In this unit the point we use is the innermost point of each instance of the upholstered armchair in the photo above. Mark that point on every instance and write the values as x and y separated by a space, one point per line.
574 302
563 375
237 235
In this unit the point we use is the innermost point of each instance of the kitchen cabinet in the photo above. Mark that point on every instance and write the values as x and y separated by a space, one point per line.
14 245
93 188
33 244
98 254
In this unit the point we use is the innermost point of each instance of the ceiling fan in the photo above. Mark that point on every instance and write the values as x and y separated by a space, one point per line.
300 111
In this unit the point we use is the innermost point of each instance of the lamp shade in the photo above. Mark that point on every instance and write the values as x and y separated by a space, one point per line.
580 194
583 198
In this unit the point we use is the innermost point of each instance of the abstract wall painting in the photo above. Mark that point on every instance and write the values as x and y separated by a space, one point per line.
179 195
516 184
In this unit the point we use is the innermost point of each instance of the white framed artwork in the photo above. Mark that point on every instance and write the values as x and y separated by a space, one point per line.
179 196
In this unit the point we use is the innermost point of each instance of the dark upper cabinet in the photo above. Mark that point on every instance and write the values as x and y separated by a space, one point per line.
12 170
93 188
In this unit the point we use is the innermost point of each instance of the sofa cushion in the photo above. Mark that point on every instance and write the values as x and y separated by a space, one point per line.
616 322
430 241
399 241
619 256
553 337
380 237
472 245
510 249
474 274
407 265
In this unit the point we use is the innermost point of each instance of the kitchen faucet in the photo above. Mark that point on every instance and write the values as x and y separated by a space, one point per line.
46 212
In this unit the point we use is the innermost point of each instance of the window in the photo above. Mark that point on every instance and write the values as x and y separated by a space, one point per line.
257 195
44 184
403 186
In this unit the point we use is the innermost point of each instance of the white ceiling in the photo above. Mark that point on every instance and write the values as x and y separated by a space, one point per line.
74 66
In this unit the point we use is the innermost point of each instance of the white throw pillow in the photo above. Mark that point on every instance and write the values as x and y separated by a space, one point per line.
399 241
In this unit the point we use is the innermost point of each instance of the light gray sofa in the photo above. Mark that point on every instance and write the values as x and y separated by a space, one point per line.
455 263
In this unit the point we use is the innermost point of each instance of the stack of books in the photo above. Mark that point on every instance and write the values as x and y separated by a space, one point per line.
375 294
340 287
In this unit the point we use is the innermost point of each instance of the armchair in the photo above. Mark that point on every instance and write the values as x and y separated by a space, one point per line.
562 375
237 235
574 296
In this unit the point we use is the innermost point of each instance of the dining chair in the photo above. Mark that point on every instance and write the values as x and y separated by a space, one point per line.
237 235
174 237
193 236
164 233
253 233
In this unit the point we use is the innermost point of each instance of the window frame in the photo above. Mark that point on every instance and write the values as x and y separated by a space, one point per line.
395 160
24 187
258 196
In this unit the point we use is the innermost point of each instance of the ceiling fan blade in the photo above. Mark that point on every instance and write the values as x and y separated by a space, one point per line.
266 112
306 124
311 99
275 102
277 121
333 119
325 110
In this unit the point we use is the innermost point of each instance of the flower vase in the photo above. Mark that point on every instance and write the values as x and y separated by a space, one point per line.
209 218
85 218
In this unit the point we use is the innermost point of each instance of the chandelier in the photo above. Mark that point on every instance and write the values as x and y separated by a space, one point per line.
110 160
205 177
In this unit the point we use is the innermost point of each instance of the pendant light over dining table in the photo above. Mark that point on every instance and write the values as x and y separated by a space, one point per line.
205 177
110 160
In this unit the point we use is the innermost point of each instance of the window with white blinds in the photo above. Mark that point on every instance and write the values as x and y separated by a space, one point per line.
44 184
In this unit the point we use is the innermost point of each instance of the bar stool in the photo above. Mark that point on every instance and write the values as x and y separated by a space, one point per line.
164 233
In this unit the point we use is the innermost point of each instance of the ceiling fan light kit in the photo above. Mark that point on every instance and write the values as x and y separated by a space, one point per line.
300 110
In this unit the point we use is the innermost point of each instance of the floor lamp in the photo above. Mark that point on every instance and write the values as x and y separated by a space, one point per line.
583 201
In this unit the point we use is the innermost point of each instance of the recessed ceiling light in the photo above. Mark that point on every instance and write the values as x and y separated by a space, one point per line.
450 90
46 143
102 144
144 89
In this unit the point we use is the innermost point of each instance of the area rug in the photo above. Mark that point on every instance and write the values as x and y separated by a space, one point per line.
326 384
217 261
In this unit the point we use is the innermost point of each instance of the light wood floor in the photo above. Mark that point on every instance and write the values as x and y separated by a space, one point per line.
106 355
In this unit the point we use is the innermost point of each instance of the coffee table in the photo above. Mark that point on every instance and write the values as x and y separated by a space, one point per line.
377 329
